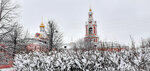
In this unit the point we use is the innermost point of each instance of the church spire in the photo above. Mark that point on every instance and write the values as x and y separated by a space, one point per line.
91 29
42 24
90 8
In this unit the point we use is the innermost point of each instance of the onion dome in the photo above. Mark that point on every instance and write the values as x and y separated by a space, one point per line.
42 25
90 10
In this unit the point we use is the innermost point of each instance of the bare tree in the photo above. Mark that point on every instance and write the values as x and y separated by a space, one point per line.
132 42
81 43
53 35
8 15
16 35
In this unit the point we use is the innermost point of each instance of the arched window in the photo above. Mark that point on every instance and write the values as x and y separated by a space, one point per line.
90 30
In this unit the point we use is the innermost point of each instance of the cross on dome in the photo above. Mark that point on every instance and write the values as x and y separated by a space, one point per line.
90 8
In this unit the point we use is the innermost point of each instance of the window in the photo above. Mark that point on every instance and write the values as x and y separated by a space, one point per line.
94 29
90 22
90 30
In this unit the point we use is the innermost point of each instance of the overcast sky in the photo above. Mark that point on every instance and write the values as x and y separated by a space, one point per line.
116 19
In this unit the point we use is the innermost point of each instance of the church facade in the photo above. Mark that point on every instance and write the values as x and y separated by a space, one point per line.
91 29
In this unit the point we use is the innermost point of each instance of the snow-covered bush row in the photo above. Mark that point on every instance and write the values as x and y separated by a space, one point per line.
69 60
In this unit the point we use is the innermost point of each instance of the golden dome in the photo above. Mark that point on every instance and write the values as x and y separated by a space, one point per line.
42 25
90 10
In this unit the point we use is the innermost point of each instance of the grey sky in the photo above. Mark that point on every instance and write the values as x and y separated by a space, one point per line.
116 19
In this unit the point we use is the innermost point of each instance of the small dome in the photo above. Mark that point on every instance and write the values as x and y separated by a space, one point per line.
39 35
42 25
90 10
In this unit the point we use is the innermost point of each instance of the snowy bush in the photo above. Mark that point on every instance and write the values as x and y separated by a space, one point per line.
92 60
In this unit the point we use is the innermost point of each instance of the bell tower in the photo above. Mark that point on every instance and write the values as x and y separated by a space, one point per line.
91 29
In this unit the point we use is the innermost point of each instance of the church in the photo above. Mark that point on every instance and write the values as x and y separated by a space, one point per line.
91 29
90 34
41 34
